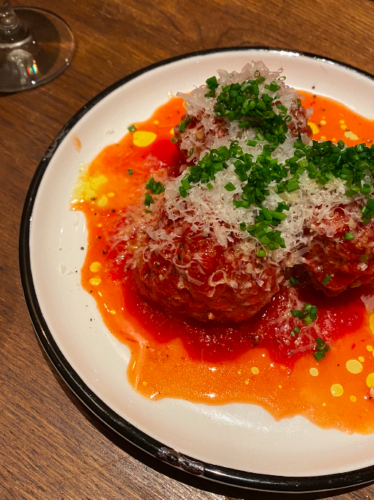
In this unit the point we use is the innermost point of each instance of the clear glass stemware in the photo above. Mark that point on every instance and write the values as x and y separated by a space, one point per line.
35 46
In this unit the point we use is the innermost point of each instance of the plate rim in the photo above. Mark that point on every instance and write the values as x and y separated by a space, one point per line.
238 480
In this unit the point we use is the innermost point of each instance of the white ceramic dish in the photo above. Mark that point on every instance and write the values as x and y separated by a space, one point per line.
240 445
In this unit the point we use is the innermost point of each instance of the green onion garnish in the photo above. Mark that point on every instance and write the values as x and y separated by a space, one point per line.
230 186
261 253
185 183
154 187
183 124
212 84
293 281
131 128
307 320
368 211
322 349
326 279
148 200
130 172
319 355
349 236
308 314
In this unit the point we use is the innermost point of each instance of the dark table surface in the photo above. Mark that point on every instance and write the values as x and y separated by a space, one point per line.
50 446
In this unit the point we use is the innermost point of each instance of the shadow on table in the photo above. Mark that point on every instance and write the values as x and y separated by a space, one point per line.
178 474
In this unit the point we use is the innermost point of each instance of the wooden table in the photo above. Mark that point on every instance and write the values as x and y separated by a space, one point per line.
50 446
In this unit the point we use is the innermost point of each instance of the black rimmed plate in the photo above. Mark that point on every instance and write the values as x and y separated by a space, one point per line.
238 445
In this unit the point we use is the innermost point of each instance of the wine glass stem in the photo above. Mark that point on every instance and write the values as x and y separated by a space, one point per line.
11 28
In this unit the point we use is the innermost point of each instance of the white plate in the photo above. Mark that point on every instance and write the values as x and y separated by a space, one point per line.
291 455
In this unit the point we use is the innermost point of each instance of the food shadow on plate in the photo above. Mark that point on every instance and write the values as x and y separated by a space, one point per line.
229 492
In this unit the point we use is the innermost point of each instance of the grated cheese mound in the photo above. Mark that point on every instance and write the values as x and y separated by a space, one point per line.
201 107
311 204
213 209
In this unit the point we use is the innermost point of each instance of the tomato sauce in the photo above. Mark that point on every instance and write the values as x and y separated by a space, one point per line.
219 364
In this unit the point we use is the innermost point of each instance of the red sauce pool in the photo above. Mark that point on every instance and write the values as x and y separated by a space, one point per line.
214 364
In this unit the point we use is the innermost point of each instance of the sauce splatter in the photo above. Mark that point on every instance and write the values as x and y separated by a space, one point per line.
77 144
212 364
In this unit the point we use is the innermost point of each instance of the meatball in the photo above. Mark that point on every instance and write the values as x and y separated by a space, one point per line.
192 275
335 263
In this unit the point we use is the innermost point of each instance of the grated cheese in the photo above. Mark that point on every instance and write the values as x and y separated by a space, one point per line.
212 209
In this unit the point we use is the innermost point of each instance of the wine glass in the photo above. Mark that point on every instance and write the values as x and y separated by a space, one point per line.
35 47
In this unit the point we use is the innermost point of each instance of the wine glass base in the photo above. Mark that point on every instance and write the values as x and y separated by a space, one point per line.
44 54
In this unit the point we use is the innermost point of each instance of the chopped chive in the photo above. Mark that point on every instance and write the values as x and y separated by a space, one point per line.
308 320
296 329
296 313
308 314
148 200
278 215
230 186
212 83
251 143
261 253
131 128
129 170
174 139
322 349
349 236
148 211
154 187
326 279
293 281
183 124
319 355
370 204
185 182
209 186
190 152
293 334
